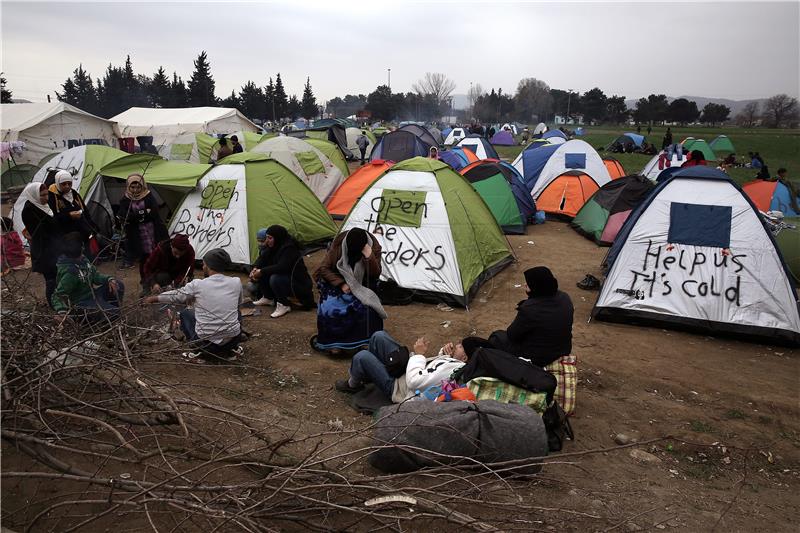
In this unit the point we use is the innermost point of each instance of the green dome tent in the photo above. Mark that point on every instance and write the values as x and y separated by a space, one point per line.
332 151
690 145
722 145
788 240
437 234
14 178
233 200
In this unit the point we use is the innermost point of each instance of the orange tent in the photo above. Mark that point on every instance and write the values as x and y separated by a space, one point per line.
566 194
354 186
760 192
615 168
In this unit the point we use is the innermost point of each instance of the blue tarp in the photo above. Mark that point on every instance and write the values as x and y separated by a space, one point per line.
554 133
636 138
782 201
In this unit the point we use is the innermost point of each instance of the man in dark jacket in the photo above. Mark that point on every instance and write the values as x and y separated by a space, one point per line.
542 329
170 264
280 272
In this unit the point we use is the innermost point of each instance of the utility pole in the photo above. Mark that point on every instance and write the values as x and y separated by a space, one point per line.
389 80
569 99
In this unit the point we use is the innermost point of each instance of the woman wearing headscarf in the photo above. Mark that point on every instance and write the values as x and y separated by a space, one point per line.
69 210
144 229
542 329
171 265
40 230
280 271
349 311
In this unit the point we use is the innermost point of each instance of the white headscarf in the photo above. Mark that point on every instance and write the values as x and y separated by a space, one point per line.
31 194
62 176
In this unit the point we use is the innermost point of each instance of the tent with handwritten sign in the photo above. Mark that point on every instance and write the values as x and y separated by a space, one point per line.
696 254
233 201
438 236
306 161
353 187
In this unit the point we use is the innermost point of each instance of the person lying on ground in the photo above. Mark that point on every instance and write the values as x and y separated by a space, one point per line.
280 272
213 325
81 291
542 329
369 366
170 265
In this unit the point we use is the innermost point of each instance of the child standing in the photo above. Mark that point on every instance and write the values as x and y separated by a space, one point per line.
12 254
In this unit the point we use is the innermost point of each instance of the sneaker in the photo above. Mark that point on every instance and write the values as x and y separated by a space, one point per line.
280 310
263 301
343 385
589 283
237 352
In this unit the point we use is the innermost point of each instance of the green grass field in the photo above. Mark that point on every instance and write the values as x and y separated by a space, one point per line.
779 148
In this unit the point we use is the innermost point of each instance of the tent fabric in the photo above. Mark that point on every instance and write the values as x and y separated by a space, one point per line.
722 145
566 195
690 145
604 213
453 159
156 170
306 161
47 129
744 288
614 167
353 187
479 146
352 135
655 166
332 151
232 201
541 166
16 177
398 146
635 137
437 234
540 128
501 187
333 132
512 128
422 133
454 136
555 136
788 240
502 138
771 196
167 124
437 135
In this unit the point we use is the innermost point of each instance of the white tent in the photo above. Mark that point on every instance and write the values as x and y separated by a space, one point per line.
455 135
697 254
165 125
510 127
653 167
306 161
540 128
47 129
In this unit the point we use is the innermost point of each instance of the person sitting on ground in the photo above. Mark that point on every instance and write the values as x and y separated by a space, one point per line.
12 253
696 158
212 326
349 311
730 161
81 290
237 148
755 160
170 265
369 366
280 272
542 329
224 149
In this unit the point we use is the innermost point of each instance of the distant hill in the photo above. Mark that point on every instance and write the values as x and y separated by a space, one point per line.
701 101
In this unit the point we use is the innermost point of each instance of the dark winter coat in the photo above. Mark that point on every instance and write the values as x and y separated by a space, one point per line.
44 240
131 220
287 260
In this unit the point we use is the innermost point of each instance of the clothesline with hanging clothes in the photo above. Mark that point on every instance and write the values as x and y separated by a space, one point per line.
9 149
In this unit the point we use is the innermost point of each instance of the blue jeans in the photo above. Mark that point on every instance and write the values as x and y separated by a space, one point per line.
207 349
369 366
677 149
103 305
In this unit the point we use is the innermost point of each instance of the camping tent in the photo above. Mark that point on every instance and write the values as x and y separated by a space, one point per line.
696 253
555 136
328 131
332 151
501 187
690 145
421 132
502 138
306 161
398 146
47 129
445 132
604 213
353 187
566 194
540 166
627 142
202 148
455 135
657 164
772 196
165 125
614 167
510 127
540 128
16 177
788 240
437 135
479 146
437 234
458 157
352 135
722 145
232 201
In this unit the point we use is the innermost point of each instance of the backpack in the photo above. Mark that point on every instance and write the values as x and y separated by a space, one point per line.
558 427
397 361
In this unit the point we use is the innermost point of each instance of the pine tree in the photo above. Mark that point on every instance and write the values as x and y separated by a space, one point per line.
5 94
159 89
293 108
309 104
113 99
251 101
79 91
231 101
269 100
68 94
201 84
178 95
281 102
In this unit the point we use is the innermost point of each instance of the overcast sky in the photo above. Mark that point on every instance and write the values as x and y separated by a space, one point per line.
734 50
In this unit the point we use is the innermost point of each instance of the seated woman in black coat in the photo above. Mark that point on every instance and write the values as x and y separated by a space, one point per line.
542 329
280 272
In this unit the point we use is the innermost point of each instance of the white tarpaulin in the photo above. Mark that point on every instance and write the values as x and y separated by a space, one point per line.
47 129
167 124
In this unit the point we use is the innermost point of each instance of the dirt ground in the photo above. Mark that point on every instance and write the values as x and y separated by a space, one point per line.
722 414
